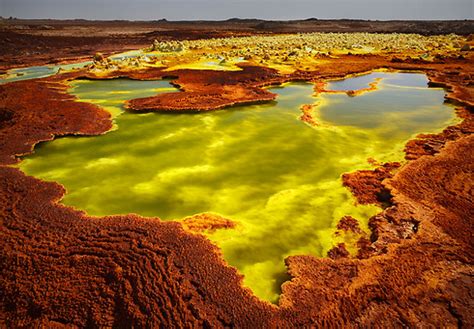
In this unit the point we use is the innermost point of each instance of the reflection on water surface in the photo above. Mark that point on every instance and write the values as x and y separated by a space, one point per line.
262 167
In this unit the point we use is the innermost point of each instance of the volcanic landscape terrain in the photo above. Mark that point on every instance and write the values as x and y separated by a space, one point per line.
275 197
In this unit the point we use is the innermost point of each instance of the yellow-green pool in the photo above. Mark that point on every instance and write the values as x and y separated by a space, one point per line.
278 178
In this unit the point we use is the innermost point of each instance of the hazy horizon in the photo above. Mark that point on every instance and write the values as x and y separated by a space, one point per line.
244 9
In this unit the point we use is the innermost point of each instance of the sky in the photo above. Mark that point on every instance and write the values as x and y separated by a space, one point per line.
224 9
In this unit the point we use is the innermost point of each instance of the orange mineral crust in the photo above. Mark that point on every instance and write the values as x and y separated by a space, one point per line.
206 223
211 90
366 185
62 268
35 111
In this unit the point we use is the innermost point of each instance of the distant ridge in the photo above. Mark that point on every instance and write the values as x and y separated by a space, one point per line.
307 25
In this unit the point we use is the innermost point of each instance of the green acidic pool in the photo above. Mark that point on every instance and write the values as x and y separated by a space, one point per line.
276 177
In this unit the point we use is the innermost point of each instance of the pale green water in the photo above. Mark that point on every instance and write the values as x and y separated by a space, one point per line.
34 72
260 166
361 81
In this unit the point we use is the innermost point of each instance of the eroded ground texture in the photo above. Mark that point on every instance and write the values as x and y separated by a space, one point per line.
39 42
61 268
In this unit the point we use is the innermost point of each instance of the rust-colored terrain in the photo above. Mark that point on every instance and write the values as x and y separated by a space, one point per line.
212 90
62 268
40 42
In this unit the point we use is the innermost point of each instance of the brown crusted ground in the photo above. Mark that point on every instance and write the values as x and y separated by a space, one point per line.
40 42
425 274
36 111
307 116
211 90
33 42
445 184
366 185
430 144
349 224
206 223
338 252
63 268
